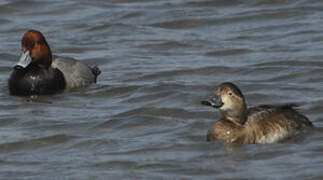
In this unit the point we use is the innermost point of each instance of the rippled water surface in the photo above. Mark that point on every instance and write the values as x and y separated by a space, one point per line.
159 59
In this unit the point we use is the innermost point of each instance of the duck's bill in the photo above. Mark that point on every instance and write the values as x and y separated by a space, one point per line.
24 60
215 102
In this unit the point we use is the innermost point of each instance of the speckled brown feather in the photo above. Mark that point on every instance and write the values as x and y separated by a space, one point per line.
263 124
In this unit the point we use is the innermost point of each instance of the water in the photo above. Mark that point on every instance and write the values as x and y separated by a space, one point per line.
159 59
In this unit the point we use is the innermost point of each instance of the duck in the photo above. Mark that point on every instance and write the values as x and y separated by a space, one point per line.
37 73
263 124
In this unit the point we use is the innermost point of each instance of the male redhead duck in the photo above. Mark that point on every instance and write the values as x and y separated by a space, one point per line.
262 124
37 73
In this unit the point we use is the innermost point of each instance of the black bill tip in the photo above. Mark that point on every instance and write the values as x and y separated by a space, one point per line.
207 103
17 67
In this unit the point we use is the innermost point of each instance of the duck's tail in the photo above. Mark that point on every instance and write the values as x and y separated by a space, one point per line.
96 71
290 106
294 107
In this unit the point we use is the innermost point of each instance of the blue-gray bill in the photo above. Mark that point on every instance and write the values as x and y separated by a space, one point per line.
24 60
215 102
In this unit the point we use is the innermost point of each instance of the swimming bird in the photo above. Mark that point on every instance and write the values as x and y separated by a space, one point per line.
37 73
261 124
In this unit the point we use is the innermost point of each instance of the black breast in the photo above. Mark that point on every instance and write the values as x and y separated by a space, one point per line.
35 81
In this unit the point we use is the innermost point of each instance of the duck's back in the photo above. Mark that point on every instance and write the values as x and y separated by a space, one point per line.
77 74
269 124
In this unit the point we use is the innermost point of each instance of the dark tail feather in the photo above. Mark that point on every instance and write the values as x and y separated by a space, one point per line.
290 106
310 124
96 71
306 121
293 105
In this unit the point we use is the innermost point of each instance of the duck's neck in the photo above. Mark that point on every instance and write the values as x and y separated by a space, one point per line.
238 116
40 65
238 120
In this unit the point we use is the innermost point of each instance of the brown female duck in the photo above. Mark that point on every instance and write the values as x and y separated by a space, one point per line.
261 124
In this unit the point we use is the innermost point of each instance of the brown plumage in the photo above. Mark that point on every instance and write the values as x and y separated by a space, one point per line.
261 124
35 42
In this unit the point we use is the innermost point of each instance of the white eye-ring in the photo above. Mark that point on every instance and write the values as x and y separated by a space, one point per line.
230 93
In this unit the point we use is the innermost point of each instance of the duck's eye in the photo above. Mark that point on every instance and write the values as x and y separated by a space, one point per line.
230 93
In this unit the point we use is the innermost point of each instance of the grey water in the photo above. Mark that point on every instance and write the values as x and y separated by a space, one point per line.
159 59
